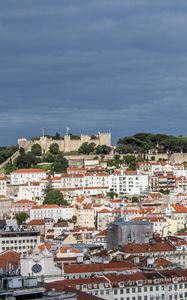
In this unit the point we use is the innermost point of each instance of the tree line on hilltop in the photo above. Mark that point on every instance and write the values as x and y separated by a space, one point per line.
160 143
140 143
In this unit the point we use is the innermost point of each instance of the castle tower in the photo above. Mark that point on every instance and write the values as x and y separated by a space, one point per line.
105 139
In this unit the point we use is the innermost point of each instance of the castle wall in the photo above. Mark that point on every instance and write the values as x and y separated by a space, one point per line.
67 144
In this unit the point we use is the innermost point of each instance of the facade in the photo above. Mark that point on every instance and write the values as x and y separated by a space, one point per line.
39 263
3 186
5 208
67 143
23 205
30 191
104 217
122 232
23 176
18 240
124 182
52 211
86 216
162 285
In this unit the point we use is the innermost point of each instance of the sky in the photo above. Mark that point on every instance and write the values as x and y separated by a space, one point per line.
101 65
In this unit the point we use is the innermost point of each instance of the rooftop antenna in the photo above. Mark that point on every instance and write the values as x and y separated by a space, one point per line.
67 130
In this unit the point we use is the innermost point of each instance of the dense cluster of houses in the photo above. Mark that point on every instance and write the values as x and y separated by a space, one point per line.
119 236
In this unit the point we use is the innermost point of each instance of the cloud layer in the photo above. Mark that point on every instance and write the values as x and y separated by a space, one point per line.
92 65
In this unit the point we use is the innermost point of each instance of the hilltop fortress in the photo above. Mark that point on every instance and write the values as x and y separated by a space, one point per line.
67 143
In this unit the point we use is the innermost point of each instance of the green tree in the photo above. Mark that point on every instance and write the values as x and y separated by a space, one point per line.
87 148
54 148
6 152
74 219
9 168
135 199
26 160
53 196
21 217
128 159
49 157
60 164
112 195
36 150
103 149
142 142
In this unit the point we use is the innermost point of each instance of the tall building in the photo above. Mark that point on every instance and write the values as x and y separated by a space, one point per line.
123 232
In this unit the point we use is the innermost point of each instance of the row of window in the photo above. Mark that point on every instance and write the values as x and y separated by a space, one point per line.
174 287
18 241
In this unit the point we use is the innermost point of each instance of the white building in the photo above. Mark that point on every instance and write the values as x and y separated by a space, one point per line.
128 182
18 240
39 263
3 186
23 176
30 191
52 211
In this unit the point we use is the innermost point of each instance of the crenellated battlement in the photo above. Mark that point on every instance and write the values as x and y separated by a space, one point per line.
67 143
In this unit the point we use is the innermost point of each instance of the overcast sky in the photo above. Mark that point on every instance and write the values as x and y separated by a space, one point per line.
92 65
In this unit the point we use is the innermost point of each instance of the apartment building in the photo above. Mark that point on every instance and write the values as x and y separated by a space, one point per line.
106 216
162 285
18 239
128 182
86 216
52 211
23 205
3 186
31 191
23 176
173 251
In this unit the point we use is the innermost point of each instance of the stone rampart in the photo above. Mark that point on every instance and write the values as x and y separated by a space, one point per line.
68 143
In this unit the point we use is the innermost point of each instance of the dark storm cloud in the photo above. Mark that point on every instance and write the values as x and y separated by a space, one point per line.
92 65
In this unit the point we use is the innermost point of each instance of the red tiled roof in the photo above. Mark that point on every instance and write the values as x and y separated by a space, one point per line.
148 247
45 206
179 208
130 172
162 262
68 249
36 222
9 258
91 268
102 233
25 201
29 171
104 211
